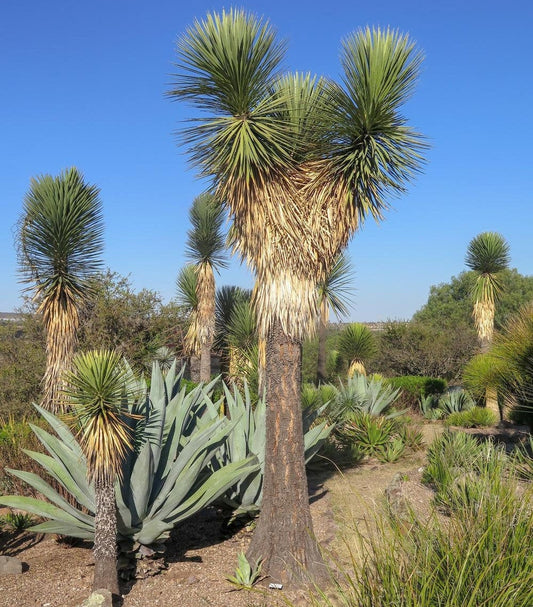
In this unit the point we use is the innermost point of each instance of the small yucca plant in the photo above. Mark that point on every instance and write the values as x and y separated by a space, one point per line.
357 346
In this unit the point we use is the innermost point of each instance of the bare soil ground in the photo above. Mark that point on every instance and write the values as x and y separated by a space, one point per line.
202 552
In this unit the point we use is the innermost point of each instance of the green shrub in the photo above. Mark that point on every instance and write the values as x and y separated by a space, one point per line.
460 468
18 521
16 437
414 387
473 418
367 432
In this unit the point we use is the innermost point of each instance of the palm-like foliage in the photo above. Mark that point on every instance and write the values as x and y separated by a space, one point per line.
514 352
236 334
227 298
243 344
186 284
337 290
488 256
357 346
97 391
334 293
97 395
205 248
60 245
299 161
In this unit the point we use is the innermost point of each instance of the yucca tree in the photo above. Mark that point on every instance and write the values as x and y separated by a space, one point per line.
299 162
60 248
97 392
334 293
487 255
186 284
205 248
357 346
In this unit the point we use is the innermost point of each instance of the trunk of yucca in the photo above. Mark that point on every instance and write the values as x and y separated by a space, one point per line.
484 320
283 539
105 537
205 362
61 322
194 368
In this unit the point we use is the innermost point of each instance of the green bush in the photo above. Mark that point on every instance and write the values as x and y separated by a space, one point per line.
414 387
474 418
16 437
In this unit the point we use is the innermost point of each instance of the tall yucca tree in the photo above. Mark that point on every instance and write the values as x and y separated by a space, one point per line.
205 248
60 248
487 255
334 293
357 346
97 392
186 284
299 161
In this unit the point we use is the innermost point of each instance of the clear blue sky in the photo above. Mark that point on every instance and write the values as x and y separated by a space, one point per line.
83 83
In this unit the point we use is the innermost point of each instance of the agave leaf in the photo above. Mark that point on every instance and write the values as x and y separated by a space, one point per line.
41 508
50 493
152 530
82 491
68 458
193 451
219 482
314 439
62 430
141 480
63 529
172 380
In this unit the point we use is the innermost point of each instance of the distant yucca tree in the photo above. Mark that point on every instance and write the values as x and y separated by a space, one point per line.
60 247
357 346
97 394
205 248
487 255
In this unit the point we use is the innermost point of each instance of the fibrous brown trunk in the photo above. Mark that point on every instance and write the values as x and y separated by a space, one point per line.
484 321
283 539
61 320
105 537
205 362
194 368
322 335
